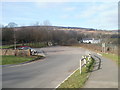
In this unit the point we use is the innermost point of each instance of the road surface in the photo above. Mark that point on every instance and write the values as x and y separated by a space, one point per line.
60 62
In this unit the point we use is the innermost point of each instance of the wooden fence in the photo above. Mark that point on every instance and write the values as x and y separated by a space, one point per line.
84 61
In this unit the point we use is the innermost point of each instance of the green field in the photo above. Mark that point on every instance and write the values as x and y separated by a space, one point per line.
78 80
9 59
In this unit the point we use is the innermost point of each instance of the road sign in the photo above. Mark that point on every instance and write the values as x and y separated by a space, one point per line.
103 47
103 44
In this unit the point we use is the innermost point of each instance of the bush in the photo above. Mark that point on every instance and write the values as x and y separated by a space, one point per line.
72 41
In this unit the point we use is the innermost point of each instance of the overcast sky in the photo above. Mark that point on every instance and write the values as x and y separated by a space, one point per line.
97 15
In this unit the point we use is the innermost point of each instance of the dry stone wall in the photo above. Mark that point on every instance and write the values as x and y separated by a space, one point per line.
15 52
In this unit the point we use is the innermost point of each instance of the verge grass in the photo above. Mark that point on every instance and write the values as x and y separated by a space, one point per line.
78 80
9 59
114 57
9 46
34 45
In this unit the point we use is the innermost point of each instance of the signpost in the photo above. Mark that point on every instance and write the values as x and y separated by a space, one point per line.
103 47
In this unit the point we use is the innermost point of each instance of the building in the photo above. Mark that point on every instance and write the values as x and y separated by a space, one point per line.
90 40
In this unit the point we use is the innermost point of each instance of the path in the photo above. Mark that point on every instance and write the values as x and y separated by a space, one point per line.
105 77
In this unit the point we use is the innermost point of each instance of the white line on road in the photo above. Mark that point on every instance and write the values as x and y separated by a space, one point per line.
67 78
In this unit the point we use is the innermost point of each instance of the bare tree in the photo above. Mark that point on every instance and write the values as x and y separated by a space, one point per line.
47 23
7 35
12 24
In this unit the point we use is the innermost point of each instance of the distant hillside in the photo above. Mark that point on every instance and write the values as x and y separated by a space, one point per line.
115 31
78 29
85 30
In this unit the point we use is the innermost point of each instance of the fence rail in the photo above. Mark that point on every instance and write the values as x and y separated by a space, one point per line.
84 61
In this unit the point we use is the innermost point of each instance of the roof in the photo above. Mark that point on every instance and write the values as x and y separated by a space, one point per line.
87 39
90 39
23 46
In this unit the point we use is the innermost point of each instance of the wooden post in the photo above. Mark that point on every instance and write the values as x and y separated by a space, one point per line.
89 58
85 61
80 67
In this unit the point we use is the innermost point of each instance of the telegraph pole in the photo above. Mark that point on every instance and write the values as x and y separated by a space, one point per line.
13 25
14 40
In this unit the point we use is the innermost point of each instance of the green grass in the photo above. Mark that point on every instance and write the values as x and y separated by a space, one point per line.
34 45
9 59
114 57
6 46
9 46
77 80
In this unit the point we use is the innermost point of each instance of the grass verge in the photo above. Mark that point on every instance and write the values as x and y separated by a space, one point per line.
77 80
114 57
9 46
36 45
9 59
33 45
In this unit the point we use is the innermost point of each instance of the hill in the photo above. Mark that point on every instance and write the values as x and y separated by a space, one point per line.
77 29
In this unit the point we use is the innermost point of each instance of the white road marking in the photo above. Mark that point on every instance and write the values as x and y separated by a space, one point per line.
66 78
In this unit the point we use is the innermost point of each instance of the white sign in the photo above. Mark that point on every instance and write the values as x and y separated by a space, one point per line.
103 44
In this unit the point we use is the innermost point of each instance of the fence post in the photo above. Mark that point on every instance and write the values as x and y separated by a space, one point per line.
89 58
80 67
85 61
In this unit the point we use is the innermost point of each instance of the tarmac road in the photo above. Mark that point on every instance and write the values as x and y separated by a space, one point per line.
59 63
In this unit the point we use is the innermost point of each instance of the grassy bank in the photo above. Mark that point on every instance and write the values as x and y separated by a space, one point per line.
34 45
9 46
9 59
114 57
77 80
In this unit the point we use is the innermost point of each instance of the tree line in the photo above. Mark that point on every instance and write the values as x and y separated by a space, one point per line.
45 33
39 34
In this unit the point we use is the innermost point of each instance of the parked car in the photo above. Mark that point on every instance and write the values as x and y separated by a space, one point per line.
23 47
33 51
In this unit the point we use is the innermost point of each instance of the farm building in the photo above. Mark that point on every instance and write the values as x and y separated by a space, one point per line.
90 40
